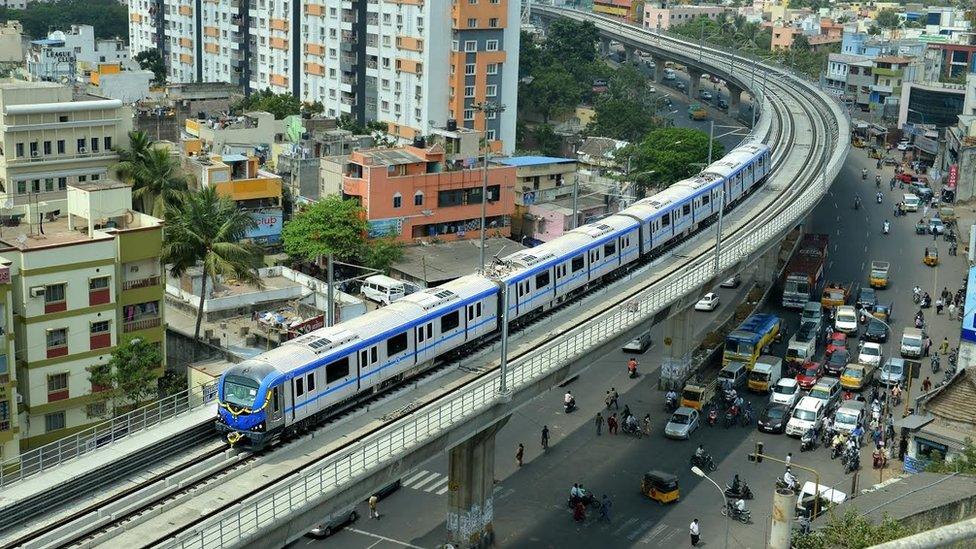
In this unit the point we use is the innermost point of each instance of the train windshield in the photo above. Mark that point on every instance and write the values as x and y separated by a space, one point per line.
240 391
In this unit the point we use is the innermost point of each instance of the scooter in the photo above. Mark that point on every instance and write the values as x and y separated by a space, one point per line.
744 516
712 417
730 416
570 406
879 198
935 364
671 404
782 485
705 462
885 227
744 491
746 417
808 441
864 174
853 462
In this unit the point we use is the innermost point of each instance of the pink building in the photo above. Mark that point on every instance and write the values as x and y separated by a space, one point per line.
661 16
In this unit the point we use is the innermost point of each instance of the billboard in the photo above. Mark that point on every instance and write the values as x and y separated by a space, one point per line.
268 228
385 227
953 177
969 317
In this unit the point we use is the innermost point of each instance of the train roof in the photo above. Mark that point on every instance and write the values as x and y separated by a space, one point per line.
698 182
605 226
735 159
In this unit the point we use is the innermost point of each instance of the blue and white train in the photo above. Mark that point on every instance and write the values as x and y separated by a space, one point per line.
289 389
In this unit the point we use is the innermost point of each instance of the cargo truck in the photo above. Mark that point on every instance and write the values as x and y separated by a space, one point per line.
803 275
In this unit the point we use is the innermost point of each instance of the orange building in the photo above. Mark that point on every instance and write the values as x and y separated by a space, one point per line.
415 192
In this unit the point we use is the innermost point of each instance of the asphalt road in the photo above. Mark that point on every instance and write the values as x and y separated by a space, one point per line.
529 503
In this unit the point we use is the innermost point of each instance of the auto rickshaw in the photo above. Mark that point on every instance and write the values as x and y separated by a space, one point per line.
921 227
882 312
695 396
660 486
931 257
947 215
875 153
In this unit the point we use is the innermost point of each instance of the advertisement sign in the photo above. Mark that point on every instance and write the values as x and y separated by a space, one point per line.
953 177
385 227
4 275
309 325
969 318
926 144
268 227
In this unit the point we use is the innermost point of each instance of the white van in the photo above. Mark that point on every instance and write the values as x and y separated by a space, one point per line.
849 415
807 414
385 290
669 74
910 202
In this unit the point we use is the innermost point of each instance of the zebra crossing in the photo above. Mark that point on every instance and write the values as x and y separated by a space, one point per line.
426 481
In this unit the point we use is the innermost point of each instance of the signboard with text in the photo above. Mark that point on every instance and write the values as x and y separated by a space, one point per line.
268 225
953 177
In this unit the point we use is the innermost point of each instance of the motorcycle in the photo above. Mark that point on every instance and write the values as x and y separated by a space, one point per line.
570 406
853 462
782 485
864 174
935 363
877 181
632 430
705 463
744 491
808 441
671 404
879 197
744 516
857 203
730 416
884 227
712 417
746 418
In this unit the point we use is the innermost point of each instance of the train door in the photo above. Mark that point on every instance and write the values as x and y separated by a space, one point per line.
275 411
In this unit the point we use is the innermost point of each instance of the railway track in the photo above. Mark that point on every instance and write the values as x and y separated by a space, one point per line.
783 134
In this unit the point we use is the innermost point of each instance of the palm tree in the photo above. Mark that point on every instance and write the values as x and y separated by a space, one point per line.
139 146
208 228
158 182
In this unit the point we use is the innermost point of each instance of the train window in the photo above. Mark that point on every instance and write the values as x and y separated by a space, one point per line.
310 381
420 334
479 309
665 221
362 358
470 312
275 403
610 248
450 321
542 279
705 200
430 330
373 354
396 344
299 386
686 209
577 263
337 370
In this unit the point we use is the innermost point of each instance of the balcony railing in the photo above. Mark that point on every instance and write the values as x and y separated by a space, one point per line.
141 324
141 283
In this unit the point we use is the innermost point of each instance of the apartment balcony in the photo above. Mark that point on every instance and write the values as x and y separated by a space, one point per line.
141 324
895 73
882 89
61 158
348 101
141 283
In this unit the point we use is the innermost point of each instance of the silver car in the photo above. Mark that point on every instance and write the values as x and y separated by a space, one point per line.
338 522
683 422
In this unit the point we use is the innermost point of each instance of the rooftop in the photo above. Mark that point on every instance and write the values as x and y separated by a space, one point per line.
893 59
846 58
389 157
910 495
444 261
521 161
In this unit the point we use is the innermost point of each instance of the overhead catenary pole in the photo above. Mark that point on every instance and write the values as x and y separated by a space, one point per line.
330 292
503 385
486 109
576 201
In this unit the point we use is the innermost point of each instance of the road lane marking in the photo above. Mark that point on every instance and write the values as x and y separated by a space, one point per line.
653 533
415 477
624 526
421 484
436 485
640 530
442 491
384 538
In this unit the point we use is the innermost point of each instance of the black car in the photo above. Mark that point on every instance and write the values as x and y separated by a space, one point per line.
837 362
807 331
867 298
876 331
774 418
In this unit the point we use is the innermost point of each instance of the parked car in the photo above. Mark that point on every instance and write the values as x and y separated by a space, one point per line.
332 526
875 331
732 282
723 104
773 418
936 226
639 344
786 392
810 374
683 422
707 303
837 342
903 145
706 95
870 353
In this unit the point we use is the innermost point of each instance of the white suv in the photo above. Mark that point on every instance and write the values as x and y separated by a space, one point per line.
786 391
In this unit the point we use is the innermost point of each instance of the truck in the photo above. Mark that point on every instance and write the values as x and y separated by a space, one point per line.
879 274
835 295
804 273
766 372
802 346
697 112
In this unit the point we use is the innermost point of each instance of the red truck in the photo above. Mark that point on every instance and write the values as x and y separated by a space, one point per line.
804 273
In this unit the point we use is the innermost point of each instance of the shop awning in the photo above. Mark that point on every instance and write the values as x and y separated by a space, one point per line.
914 421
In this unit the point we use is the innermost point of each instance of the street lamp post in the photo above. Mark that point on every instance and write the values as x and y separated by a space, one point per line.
725 499
486 108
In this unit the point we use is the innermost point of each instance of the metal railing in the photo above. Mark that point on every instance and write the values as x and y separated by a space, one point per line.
276 504
56 453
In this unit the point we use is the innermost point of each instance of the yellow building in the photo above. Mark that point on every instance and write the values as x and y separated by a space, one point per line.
627 9
80 285
9 426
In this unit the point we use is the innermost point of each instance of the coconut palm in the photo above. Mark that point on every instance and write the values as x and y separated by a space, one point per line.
158 182
208 228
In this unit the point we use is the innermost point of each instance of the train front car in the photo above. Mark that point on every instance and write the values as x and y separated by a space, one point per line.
244 404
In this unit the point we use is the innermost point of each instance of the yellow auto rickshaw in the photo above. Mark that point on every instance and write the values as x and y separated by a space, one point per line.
695 396
931 257
660 486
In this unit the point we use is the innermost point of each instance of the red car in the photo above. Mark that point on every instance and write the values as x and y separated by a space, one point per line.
810 374
837 342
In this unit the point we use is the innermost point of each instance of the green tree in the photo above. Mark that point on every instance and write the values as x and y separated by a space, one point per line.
668 155
109 18
553 93
547 141
964 462
851 531
801 43
130 376
157 179
572 42
329 226
152 60
383 252
281 105
620 119
208 229
888 19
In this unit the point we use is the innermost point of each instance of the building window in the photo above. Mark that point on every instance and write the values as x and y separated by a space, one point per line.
49 184
472 22
60 146
492 68
94 144
469 91
54 298
455 45
418 198
100 327
57 383
469 69
62 183
470 45
469 114
493 22
57 342
491 91
54 421
100 335
491 45
21 187
108 142
397 200
20 150
33 149
491 115
491 137
36 185
98 291
81 145
47 147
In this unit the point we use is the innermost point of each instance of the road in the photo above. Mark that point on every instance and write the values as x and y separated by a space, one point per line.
529 504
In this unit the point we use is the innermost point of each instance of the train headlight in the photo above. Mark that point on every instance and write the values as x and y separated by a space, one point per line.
258 427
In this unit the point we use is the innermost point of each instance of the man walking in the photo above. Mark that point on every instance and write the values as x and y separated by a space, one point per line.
695 532
373 513
612 424
599 424
926 384
545 438
902 449
519 454
605 508
613 398
944 347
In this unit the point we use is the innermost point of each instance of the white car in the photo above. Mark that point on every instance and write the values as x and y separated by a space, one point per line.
903 145
707 303
846 320
651 89
870 353
786 392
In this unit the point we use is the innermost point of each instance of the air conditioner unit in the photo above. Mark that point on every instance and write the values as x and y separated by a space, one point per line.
20 398
82 150
37 291
35 154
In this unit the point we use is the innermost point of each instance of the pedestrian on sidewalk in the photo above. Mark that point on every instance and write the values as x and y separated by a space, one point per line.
952 311
789 459
519 454
926 384
599 424
605 508
695 532
545 438
614 396
944 347
612 424
938 306
373 513
902 449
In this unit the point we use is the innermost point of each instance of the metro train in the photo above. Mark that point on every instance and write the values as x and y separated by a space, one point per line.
289 389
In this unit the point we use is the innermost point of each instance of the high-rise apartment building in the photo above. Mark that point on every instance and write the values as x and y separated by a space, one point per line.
412 64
